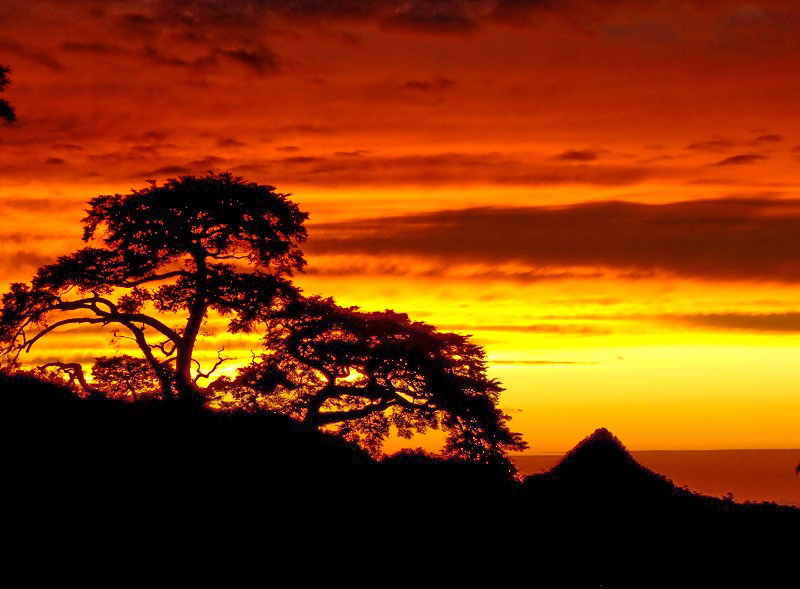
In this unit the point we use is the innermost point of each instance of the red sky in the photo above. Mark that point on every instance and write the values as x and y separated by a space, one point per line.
604 193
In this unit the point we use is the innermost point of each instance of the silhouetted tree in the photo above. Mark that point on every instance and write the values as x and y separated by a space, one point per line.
7 112
166 250
162 258
364 373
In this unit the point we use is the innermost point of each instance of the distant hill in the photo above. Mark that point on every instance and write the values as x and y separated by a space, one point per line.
601 469
644 531
749 475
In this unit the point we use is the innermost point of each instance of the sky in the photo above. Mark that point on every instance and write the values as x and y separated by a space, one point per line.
603 193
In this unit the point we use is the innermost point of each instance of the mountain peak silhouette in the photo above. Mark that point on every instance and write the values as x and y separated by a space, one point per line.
600 465
602 435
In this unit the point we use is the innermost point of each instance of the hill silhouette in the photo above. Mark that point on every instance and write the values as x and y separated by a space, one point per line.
602 458
600 468
644 531
143 449
74 446
598 518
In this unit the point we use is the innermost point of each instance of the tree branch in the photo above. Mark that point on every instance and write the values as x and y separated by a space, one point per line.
75 372
213 368
328 417
151 278
28 343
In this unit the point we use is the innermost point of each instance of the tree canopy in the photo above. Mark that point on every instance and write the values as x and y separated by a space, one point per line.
161 259
365 373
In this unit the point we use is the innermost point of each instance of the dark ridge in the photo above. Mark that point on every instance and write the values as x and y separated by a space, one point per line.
56 440
101 476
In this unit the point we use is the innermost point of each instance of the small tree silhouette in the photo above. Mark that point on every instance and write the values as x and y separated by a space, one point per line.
7 112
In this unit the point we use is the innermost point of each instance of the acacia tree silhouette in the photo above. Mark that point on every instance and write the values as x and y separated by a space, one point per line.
174 253
365 373
7 112
169 247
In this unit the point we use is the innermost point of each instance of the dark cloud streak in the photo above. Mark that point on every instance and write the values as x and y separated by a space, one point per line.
764 322
741 160
726 239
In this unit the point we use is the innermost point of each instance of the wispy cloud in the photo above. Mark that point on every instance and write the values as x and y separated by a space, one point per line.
741 160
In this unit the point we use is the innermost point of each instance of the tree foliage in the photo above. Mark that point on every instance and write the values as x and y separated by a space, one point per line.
366 373
7 112
124 377
161 259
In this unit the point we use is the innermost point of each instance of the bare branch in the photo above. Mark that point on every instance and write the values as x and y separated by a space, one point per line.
220 360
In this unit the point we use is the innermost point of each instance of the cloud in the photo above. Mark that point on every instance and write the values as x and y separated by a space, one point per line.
164 171
713 145
768 138
578 155
229 142
26 204
92 47
434 85
419 16
67 147
136 24
766 322
537 328
39 57
724 239
441 270
452 169
740 160
261 59
20 263
203 62
428 16
720 144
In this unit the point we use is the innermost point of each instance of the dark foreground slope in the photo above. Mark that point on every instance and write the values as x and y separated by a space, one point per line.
262 492
56 442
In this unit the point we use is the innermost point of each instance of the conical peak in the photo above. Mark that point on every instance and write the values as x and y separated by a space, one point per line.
602 438
601 451
602 434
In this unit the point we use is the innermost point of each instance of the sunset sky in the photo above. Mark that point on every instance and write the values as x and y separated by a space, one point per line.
604 193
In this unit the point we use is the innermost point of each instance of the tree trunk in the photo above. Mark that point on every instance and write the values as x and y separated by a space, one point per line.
186 389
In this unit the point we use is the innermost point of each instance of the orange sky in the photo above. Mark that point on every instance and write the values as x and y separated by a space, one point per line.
604 193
